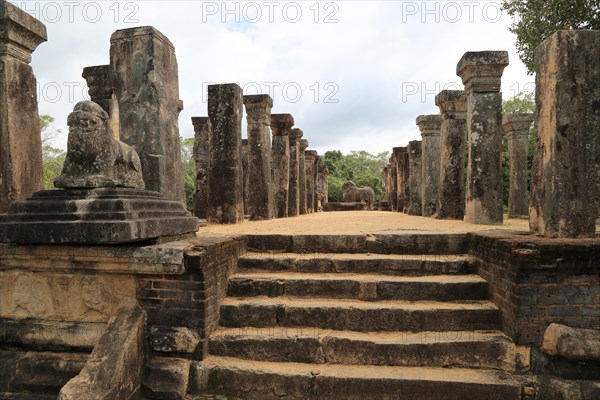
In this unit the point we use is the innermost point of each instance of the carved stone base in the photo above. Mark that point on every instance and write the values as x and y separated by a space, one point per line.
94 216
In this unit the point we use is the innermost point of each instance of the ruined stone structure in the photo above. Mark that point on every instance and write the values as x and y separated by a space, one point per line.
225 182
354 194
401 201
387 183
429 125
516 128
281 125
311 159
453 150
260 183
294 185
565 181
406 179
99 82
146 85
21 170
481 73
302 176
323 188
245 161
94 157
415 178
393 171
202 140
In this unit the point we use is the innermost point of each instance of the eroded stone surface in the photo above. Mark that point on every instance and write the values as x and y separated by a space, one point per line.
429 125
453 151
565 181
226 190
415 177
302 176
481 74
281 124
516 128
95 159
146 85
294 185
202 140
21 170
311 160
575 344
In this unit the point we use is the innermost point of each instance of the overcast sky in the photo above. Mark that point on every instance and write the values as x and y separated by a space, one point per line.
354 74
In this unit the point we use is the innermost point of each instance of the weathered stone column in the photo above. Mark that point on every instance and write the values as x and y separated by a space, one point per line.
281 124
565 181
260 184
516 128
311 157
316 183
481 73
99 82
393 182
245 176
146 85
429 125
453 145
415 177
202 134
406 181
21 168
225 183
294 193
302 175
386 182
399 157
323 188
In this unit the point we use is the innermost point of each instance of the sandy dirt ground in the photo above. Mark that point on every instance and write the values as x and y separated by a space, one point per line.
355 222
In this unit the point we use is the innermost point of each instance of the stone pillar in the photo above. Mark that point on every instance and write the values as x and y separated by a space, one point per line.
21 167
316 183
516 128
311 157
245 180
323 188
415 176
386 182
202 141
281 124
393 182
99 83
481 73
260 184
146 85
453 145
429 125
302 176
225 183
399 156
406 181
565 181
294 188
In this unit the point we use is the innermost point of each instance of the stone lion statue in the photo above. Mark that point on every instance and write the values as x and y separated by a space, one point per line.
354 194
95 158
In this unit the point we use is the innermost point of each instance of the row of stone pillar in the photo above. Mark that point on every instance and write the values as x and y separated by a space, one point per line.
262 177
565 177
468 128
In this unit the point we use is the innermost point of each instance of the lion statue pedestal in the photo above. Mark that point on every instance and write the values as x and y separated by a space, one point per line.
101 198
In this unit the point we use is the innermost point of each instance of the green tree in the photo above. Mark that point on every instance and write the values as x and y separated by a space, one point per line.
361 167
521 103
187 156
53 158
535 20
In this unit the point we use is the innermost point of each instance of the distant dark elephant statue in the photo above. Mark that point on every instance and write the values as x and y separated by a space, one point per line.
354 194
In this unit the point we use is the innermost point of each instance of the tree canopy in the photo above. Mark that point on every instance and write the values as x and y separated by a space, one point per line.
53 158
535 20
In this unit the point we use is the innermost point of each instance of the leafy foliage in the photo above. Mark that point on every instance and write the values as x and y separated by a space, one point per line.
53 158
187 156
535 20
361 167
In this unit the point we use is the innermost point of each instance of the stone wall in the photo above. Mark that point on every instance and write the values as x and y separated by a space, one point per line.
536 281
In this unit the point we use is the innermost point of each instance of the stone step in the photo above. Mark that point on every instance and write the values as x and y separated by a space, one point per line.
26 396
37 371
357 315
253 380
406 241
368 287
468 349
405 265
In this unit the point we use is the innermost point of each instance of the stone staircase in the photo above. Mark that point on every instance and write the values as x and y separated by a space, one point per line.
358 325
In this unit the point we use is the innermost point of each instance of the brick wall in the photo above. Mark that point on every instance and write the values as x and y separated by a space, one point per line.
535 281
